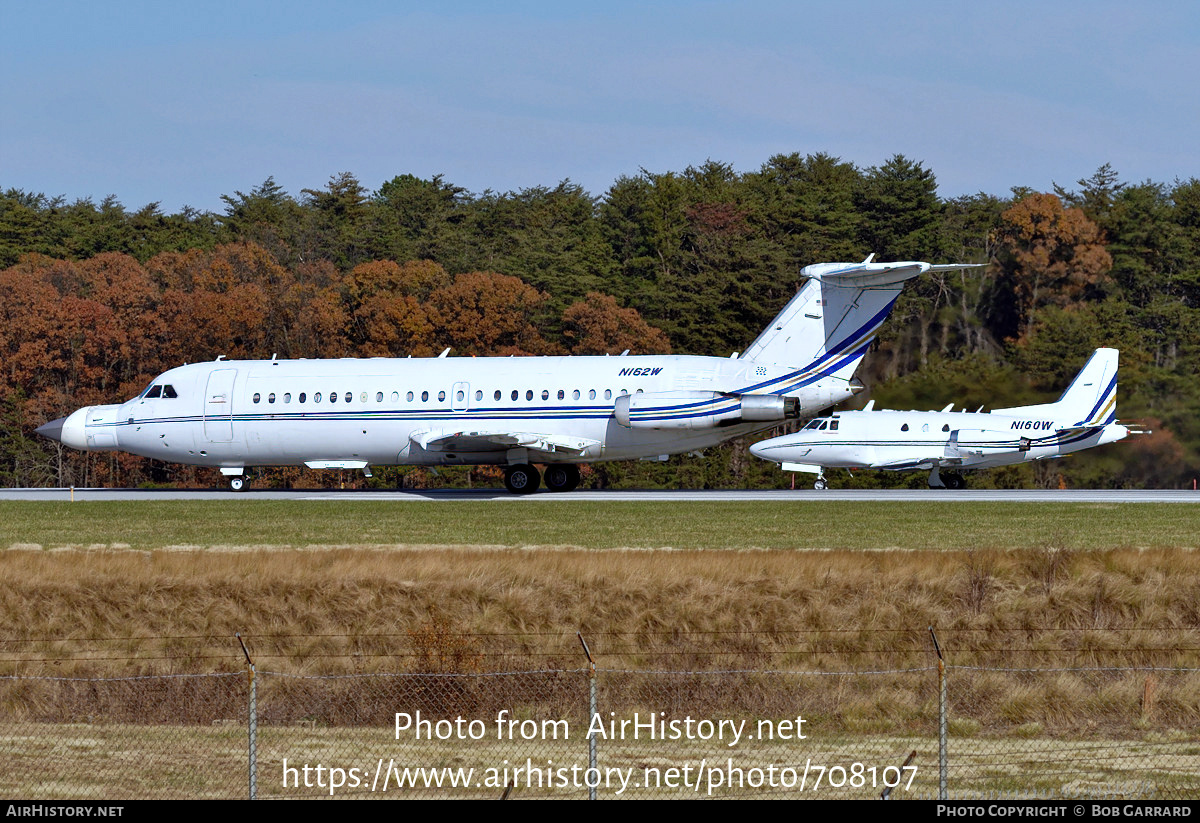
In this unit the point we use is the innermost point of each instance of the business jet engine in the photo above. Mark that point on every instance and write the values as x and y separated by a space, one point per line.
701 410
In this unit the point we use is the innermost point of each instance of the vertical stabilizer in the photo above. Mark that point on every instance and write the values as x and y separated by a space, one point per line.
835 315
1090 400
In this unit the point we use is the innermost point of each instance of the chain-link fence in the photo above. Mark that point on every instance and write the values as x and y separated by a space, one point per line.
1080 732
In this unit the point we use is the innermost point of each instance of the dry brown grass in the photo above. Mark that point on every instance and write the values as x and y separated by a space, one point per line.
96 612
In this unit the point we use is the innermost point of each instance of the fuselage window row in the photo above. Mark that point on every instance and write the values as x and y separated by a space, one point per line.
459 396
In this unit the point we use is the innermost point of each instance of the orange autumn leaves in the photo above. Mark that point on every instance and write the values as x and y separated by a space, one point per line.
98 330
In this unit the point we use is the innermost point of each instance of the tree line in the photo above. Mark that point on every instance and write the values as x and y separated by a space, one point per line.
98 299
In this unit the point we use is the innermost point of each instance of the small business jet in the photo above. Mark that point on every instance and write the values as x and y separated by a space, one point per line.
513 411
1083 417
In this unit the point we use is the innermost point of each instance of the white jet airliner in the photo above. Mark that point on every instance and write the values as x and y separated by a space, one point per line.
516 411
1083 417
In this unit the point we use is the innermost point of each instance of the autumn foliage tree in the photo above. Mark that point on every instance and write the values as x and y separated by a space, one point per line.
1048 256
598 325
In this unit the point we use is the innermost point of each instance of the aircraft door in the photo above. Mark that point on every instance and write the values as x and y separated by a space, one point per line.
218 406
460 398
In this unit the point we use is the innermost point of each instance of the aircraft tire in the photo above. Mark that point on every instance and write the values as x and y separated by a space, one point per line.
820 484
522 479
238 484
954 481
561 477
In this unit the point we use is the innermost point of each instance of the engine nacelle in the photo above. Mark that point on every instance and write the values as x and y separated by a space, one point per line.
701 410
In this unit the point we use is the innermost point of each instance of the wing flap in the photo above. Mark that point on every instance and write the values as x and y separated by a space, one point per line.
550 445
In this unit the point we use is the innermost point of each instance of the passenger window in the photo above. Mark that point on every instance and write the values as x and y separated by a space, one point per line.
608 394
257 397
575 394
904 428
317 397
529 394
271 397
409 397
545 394
333 397
424 396
561 394
833 425
441 397
395 397
301 397
350 396
946 427
460 395
624 392
287 397
514 394
925 428
639 391
591 394
378 397
478 395
496 396
169 392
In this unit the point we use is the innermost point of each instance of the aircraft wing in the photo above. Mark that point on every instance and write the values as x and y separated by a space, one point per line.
924 463
552 446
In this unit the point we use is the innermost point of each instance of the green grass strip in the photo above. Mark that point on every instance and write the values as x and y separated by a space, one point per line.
602 525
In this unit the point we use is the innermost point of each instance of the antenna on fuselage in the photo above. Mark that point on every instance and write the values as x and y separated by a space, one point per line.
445 352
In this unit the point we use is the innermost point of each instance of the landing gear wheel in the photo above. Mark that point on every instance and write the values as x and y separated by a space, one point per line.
820 484
238 483
954 481
561 477
522 479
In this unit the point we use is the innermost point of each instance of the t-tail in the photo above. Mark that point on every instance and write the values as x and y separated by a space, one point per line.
1090 400
829 324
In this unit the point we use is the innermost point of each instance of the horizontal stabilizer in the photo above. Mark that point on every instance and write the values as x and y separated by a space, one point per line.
827 326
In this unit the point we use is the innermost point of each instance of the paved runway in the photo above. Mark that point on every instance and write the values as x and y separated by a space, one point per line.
780 496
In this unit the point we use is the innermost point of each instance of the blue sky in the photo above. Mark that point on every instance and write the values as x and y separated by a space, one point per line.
181 103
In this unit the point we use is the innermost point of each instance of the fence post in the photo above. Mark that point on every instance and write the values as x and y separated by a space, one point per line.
253 725
942 766
591 712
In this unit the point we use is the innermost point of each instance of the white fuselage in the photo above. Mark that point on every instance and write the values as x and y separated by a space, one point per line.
900 440
384 411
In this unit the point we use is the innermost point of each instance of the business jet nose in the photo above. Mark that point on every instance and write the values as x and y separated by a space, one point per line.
756 449
67 430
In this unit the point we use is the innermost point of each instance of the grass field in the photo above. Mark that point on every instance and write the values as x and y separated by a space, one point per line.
111 589
601 525
113 761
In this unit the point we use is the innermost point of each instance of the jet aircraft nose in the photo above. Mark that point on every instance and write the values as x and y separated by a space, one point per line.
52 430
756 449
68 430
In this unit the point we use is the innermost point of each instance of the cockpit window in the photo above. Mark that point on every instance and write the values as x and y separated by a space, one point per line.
153 391
169 392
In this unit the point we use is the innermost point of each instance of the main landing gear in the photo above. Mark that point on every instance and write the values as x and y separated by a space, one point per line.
238 483
561 477
949 480
524 479
820 483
